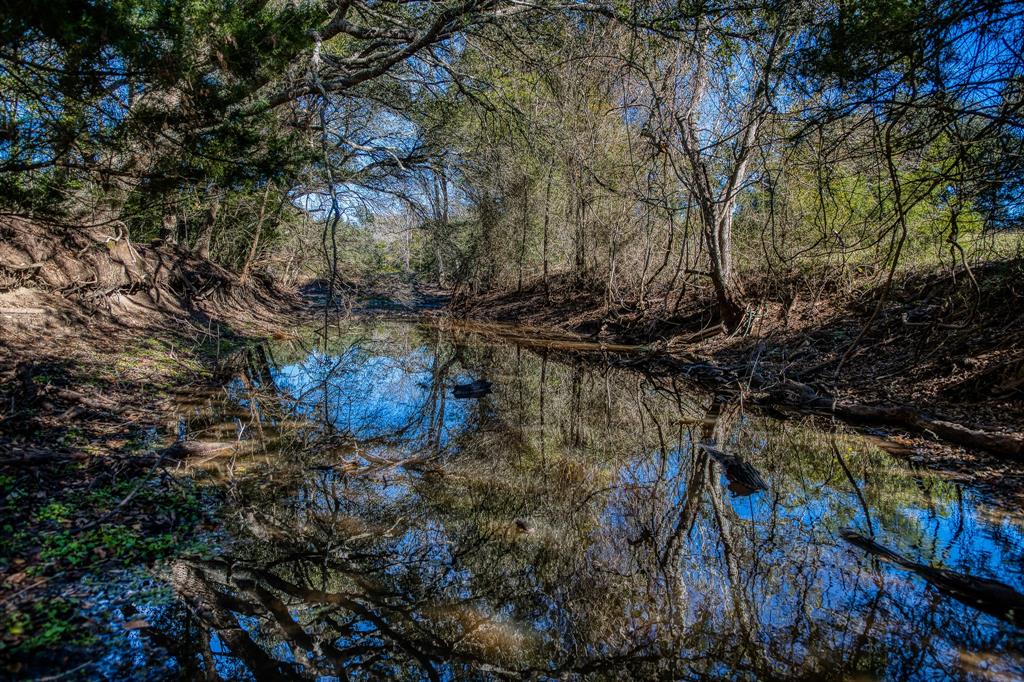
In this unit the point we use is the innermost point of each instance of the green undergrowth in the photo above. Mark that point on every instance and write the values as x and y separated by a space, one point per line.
50 540
43 625
100 508
160 361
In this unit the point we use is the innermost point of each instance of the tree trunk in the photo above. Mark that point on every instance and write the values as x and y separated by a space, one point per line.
408 249
206 231
440 210
547 220
523 235
715 187
256 237
718 236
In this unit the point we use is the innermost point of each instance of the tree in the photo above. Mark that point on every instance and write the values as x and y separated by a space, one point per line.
145 105
708 101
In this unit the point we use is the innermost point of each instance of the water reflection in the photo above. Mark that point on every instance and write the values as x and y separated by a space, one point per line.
571 522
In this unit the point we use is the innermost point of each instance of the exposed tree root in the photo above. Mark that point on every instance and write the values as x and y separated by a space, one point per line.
111 275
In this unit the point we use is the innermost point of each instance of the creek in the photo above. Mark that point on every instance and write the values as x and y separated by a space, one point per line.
409 501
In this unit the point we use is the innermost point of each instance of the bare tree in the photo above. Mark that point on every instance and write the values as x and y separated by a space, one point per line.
709 103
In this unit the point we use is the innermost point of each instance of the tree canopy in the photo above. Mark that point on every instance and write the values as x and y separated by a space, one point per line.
636 147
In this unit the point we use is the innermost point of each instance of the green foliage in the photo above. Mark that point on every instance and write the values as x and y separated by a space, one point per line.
72 62
818 213
44 624
862 37
60 545
155 89
55 511
108 542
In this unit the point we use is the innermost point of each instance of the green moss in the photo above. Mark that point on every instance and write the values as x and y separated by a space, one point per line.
154 357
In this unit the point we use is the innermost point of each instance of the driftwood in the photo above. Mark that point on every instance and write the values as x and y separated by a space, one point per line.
984 594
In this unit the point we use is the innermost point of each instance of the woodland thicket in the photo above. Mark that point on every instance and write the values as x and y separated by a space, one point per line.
643 150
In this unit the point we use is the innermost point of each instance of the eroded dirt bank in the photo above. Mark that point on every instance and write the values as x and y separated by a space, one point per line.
940 355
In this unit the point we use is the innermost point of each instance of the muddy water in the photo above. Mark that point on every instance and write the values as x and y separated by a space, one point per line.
571 521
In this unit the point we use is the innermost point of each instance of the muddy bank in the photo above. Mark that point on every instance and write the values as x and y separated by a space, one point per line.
99 337
88 479
941 354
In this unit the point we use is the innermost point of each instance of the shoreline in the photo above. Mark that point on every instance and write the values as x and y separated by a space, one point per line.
894 376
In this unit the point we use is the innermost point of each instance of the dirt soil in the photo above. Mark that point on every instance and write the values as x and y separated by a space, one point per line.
98 338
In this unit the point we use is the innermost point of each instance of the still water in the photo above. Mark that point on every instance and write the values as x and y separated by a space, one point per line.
390 514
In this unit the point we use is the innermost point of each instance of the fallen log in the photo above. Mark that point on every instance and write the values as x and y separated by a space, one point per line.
984 594
197 448
799 395
97 403
47 457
